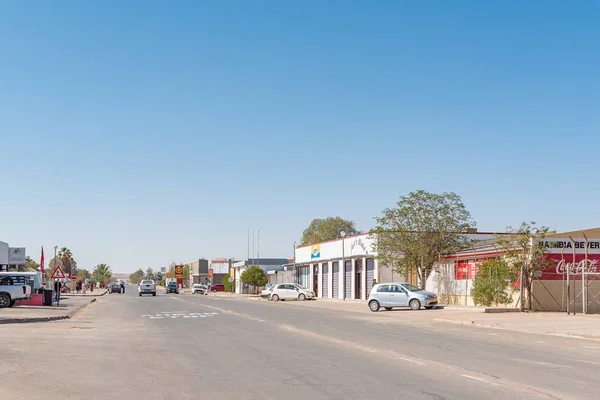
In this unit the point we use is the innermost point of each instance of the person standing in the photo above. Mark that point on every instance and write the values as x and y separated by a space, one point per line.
57 287
122 288
83 288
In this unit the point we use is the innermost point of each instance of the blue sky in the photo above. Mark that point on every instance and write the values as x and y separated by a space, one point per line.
140 133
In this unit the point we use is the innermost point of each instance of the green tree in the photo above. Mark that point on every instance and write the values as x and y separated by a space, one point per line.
229 287
423 226
521 248
186 275
29 266
83 274
67 261
320 230
491 285
136 277
254 276
149 273
102 273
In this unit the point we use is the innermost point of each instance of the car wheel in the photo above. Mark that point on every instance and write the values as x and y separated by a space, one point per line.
428 307
4 300
140 295
301 297
374 305
154 294
415 304
275 297
388 308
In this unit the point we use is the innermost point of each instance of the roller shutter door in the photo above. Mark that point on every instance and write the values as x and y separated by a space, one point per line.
370 274
336 280
348 280
325 281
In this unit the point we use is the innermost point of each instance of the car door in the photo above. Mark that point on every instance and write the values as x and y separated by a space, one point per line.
382 295
280 291
398 296
291 292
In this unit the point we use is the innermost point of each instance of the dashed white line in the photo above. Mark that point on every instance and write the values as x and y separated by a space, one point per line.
588 362
479 379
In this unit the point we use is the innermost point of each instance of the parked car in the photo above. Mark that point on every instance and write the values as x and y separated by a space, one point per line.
115 288
12 290
400 294
199 288
265 293
172 288
217 288
291 291
147 286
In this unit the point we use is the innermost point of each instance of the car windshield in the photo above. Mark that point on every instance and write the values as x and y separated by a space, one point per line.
146 282
411 288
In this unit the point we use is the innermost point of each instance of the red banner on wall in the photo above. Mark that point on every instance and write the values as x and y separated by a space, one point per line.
564 263
466 269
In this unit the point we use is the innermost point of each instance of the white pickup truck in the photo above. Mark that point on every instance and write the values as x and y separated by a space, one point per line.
147 286
11 291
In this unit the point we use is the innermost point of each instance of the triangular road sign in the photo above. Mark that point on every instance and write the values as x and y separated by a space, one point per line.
58 273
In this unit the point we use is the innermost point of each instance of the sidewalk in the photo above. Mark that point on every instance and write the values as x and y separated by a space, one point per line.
23 314
96 293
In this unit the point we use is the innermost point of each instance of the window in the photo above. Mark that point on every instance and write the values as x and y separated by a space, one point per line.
396 289
383 288
409 287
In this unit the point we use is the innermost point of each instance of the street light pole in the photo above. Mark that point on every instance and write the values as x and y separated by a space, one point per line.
343 235
295 272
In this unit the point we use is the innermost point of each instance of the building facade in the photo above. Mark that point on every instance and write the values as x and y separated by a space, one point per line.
345 268
11 257
266 264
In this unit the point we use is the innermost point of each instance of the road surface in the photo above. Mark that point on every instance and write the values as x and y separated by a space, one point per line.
192 347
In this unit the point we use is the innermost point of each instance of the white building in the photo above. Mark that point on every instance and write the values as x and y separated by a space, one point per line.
340 269
347 268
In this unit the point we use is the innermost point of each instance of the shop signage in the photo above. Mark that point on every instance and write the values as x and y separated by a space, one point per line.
178 271
315 251
360 243
16 255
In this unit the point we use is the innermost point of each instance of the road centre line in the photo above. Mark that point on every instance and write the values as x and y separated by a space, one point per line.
479 379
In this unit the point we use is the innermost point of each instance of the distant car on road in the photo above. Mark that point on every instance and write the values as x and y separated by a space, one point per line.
198 288
147 286
172 288
115 288
217 288
291 291
400 294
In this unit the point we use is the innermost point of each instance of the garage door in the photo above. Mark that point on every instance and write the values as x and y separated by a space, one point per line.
370 274
348 280
324 287
336 280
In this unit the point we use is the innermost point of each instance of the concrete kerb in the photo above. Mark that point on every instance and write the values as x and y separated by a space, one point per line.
24 320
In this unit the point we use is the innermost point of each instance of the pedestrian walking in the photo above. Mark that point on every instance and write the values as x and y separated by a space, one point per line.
83 288
122 288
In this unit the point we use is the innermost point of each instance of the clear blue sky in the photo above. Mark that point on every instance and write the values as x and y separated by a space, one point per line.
140 133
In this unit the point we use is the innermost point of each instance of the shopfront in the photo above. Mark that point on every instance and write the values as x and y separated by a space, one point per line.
339 269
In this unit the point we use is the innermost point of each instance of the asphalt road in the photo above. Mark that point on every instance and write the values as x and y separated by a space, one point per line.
193 347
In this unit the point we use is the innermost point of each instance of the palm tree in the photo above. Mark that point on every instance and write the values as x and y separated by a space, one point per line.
66 259
101 273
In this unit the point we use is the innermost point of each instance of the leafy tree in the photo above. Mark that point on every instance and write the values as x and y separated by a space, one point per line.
137 277
83 274
413 236
254 276
186 275
320 230
67 261
102 273
29 266
149 273
491 285
229 287
521 248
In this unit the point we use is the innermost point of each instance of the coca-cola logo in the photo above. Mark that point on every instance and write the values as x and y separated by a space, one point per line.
577 268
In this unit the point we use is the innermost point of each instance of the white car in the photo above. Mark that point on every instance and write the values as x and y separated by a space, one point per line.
147 286
199 288
290 291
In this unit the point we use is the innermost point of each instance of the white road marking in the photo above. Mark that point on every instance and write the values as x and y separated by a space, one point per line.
540 363
479 379
588 362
